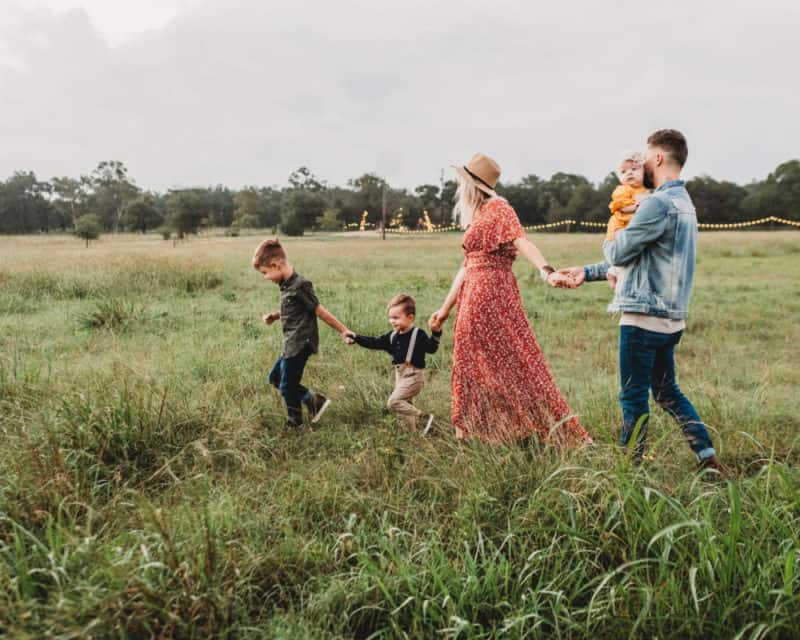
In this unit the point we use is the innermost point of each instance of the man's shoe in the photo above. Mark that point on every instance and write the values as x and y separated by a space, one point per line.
428 422
317 406
712 464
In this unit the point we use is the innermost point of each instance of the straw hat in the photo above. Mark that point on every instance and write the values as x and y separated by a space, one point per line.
481 171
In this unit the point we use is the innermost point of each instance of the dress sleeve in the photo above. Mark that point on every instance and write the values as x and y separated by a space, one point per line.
503 227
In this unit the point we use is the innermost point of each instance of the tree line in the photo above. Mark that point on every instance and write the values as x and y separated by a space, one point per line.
108 199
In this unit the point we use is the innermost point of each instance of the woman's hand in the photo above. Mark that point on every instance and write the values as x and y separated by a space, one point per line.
438 319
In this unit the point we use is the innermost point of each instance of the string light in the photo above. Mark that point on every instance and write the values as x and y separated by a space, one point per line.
587 223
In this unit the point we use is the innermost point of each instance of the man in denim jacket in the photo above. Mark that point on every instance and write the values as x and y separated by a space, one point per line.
658 247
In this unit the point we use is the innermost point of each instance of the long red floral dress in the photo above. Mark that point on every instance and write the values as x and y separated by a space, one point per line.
502 388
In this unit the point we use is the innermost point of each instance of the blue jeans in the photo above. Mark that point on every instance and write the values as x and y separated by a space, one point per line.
285 376
647 361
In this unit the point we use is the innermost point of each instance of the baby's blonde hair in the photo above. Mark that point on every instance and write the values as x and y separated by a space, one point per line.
634 156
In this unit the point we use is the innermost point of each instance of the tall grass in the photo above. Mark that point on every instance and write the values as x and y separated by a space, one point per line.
148 488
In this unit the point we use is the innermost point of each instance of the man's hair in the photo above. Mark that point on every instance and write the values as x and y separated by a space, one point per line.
673 142
268 252
408 303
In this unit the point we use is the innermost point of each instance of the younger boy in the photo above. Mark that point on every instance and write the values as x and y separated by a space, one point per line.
300 309
407 345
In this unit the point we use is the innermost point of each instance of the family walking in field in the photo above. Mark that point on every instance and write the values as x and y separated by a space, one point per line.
501 387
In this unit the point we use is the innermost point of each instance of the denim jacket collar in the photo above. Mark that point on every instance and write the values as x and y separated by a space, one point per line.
671 183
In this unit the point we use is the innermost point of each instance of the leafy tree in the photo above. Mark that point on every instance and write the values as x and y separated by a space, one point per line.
269 207
329 220
559 190
529 198
300 209
302 178
219 204
246 207
447 201
111 190
88 227
142 214
778 195
185 212
429 200
368 194
24 204
717 201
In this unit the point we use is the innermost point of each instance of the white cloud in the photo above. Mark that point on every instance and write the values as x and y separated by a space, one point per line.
244 92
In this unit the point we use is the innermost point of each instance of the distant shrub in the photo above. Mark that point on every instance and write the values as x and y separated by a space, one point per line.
166 232
88 227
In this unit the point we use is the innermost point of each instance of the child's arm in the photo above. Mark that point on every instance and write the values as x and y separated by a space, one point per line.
381 343
332 321
432 341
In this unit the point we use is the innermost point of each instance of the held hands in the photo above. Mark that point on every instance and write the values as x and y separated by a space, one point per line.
569 278
437 320
269 318
348 337
561 280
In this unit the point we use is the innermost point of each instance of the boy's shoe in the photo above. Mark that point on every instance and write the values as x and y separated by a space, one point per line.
317 406
291 425
427 421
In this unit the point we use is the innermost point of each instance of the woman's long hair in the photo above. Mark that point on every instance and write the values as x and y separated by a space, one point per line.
469 200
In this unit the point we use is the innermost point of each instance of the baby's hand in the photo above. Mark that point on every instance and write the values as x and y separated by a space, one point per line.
348 337
612 280
434 325
269 318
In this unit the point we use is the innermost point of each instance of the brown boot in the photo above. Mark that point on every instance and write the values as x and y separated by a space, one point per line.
712 464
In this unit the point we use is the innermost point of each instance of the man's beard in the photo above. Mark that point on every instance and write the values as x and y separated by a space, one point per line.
648 179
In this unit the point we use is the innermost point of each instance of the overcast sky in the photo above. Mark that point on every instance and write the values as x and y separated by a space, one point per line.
199 92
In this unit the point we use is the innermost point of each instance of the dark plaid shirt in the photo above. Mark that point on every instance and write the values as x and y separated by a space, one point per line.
299 315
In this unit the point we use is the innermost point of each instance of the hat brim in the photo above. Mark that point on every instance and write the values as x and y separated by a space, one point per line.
463 173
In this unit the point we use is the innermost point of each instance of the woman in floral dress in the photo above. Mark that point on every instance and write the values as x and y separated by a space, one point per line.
502 388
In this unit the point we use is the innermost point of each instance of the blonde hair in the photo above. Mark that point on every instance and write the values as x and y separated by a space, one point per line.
469 200
634 156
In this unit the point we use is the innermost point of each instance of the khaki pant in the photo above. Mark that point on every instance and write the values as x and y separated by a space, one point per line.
408 383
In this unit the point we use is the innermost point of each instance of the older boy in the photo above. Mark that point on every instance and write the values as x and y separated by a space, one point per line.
300 309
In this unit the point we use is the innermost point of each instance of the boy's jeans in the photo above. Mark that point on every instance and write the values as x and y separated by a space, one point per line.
286 375
646 360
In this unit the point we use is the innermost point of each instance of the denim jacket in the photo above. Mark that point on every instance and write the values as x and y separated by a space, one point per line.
658 247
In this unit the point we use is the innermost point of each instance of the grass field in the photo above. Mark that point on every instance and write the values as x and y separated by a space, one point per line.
148 488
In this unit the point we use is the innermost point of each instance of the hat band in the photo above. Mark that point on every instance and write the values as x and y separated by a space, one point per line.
479 179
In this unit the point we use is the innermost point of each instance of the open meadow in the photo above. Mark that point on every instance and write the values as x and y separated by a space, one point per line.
148 487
